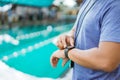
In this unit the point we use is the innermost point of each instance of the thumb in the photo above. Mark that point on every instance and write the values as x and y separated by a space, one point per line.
64 61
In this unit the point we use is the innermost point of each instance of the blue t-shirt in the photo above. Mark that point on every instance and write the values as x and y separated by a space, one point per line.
98 20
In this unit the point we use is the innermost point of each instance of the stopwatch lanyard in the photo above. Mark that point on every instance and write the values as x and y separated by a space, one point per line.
87 8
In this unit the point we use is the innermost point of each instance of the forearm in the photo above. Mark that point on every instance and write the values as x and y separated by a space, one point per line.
91 58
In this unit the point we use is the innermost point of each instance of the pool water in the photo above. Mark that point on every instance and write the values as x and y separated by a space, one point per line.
32 54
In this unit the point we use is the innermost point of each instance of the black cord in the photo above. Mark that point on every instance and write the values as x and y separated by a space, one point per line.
78 31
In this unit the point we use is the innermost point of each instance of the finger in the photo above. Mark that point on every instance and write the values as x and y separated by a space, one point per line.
64 42
60 45
64 61
71 41
68 41
54 61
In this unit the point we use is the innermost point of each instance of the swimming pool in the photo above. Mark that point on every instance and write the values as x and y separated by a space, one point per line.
32 49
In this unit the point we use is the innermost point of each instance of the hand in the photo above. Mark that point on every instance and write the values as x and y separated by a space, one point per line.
64 41
56 56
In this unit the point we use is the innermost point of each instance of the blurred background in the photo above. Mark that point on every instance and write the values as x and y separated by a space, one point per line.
28 32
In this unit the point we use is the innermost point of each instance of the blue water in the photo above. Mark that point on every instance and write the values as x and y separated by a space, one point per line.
36 61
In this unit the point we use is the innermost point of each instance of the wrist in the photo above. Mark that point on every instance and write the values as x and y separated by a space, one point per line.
67 49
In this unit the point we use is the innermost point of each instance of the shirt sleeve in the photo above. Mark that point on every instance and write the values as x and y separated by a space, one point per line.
110 25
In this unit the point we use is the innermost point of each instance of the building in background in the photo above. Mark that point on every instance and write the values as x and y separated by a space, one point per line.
59 11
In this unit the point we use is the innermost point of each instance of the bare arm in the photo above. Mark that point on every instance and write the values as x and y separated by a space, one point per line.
62 42
106 57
